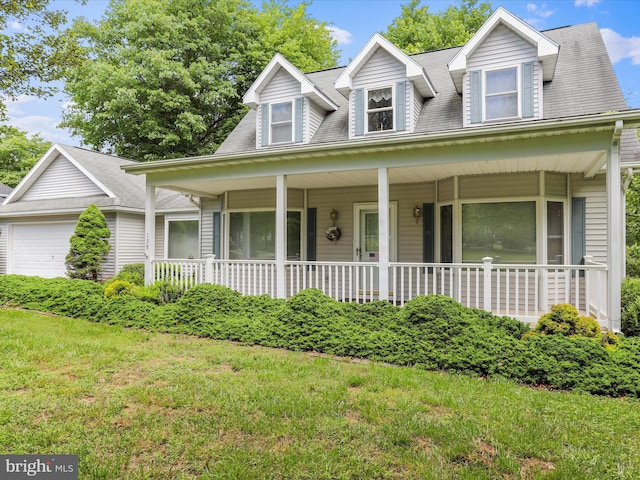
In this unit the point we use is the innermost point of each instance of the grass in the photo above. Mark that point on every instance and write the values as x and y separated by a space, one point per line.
137 405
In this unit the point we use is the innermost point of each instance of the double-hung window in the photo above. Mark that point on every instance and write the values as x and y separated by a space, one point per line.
282 122
380 109
181 237
501 93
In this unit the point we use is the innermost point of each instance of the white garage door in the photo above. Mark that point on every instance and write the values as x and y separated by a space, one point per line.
40 248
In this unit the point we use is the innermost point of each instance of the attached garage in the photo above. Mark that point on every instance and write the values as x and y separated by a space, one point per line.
39 248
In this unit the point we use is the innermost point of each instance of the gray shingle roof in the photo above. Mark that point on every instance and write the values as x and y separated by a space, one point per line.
5 190
584 83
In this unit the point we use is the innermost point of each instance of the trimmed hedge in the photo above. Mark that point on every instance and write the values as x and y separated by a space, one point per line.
429 332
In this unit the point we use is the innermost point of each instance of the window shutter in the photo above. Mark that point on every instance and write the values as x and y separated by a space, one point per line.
359 111
578 230
299 123
401 106
527 90
312 216
264 125
217 225
475 96
428 232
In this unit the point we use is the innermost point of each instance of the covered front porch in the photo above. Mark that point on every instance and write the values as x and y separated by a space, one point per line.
419 216
524 292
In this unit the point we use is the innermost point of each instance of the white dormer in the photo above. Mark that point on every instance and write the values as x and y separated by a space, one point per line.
385 88
290 107
501 69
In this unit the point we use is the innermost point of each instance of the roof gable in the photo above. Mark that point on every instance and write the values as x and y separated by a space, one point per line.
307 88
547 49
58 174
414 72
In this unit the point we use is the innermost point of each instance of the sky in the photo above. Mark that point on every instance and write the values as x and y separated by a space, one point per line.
353 22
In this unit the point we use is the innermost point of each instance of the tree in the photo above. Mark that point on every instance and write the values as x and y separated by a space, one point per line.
89 245
18 153
33 52
165 78
416 30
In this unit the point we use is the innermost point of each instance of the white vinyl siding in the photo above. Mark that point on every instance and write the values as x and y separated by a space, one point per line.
207 206
380 71
500 185
315 117
503 49
555 184
445 190
417 106
595 192
4 231
159 250
61 179
281 88
342 200
263 198
130 240
109 266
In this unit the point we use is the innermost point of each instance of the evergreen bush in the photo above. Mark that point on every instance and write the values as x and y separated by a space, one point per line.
89 245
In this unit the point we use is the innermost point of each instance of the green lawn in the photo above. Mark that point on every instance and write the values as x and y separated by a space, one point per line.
138 405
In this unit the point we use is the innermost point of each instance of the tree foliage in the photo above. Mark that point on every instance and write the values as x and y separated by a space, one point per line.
417 30
89 245
33 51
18 153
165 78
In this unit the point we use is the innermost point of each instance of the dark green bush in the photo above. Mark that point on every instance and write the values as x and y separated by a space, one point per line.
432 332
630 302
633 261
132 273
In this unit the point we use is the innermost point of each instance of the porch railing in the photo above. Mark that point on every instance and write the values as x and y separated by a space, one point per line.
522 291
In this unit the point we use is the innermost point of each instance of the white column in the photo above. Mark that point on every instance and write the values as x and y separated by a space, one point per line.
149 233
383 233
615 245
281 235
486 277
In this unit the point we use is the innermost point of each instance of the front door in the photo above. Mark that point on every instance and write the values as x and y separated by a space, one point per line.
366 229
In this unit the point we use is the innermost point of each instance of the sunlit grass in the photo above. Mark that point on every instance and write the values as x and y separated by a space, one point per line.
138 405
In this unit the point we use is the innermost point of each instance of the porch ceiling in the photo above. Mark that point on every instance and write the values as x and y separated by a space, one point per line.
589 163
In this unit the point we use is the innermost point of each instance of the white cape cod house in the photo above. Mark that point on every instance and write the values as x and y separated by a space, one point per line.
493 173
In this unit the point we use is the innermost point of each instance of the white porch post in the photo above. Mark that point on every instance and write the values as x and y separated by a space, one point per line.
149 233
383 233
615 245
281 235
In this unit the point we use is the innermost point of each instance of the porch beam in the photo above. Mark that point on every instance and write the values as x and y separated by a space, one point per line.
615 245
281 235
383 233
149 233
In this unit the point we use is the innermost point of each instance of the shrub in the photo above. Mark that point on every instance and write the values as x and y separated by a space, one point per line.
119 288
630 303
89 245
633 261
132 273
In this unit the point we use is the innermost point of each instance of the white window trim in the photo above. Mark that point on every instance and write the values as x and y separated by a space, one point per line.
393 227
518 93
176 218
366 109
271 123
227 226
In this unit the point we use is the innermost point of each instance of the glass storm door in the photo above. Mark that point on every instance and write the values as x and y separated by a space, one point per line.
366 230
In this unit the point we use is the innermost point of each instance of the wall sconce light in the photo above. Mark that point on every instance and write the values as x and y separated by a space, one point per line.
333 214
417 213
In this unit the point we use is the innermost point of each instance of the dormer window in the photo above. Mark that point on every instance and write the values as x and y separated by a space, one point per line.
380 109
282 122
501 93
